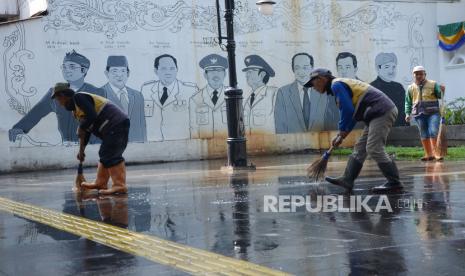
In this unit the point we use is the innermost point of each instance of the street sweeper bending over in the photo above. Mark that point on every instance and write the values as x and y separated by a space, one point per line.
101 117
359 101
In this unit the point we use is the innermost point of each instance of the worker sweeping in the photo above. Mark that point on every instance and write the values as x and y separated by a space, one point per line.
421 103
359 101
99 116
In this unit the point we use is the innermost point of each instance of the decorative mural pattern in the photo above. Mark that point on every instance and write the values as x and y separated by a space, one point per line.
311 15
116 17
168 104
415 48
15 70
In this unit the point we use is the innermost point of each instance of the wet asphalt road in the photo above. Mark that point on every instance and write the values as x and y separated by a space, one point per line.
195 204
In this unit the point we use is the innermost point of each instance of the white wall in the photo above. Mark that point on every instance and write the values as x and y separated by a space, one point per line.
33 51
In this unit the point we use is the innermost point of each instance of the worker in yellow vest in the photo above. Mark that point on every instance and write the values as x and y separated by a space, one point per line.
359 101
99 116
421 103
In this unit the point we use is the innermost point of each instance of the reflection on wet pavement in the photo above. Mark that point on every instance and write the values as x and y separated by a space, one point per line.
194 204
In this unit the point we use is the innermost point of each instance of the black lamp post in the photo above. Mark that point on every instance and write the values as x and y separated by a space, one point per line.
237 150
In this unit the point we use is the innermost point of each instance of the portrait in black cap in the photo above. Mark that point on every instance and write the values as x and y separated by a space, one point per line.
129 100
213 61
75 64
74 69
259 103
257 63
214 67
207 107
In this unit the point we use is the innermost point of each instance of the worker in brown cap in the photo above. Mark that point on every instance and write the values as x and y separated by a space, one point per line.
99 116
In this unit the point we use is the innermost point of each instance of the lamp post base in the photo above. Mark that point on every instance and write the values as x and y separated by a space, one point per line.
232 169
237 156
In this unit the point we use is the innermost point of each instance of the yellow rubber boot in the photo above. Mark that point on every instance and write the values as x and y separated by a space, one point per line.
118 177
101 182
428 150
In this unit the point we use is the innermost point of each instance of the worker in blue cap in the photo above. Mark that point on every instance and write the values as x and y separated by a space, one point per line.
360 102
208 107
259 103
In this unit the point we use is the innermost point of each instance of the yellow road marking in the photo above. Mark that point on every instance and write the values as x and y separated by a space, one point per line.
178 256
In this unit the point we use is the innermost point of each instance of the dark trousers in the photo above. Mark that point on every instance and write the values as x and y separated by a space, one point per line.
114 143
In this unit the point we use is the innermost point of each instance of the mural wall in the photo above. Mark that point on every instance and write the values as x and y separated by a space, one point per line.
161 63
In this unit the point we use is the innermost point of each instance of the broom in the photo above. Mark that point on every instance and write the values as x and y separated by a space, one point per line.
317 169
79 178
441 143
83 141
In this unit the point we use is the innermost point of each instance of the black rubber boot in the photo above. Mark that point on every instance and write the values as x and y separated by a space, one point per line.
391 173
351 172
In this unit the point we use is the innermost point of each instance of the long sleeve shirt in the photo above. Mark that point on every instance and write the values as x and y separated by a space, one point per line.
346 108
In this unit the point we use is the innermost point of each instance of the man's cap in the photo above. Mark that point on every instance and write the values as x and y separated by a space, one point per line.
418 69
59 88
318 72
256 62
117 61
383 58
73 56
213 61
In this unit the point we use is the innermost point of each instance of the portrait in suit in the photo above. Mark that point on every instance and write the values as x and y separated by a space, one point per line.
347 65
301 109
166 102
208 107
74 69
129 100
386 67
259 102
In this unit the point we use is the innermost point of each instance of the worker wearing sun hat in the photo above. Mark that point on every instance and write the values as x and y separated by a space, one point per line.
421 103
